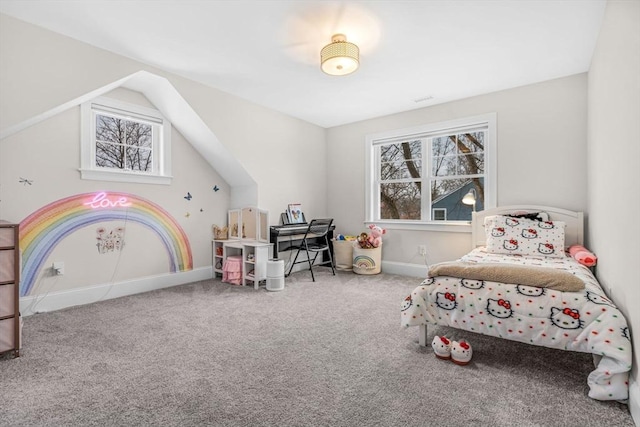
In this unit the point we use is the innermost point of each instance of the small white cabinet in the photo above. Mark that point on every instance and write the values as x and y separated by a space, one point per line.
248 238
254 256
254 263
217 257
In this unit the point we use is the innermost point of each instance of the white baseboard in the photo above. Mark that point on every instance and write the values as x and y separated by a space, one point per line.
389 267
634 400
62 299
404 269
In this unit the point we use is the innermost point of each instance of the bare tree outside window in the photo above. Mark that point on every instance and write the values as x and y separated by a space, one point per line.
456 159
456 156
123 144
401 186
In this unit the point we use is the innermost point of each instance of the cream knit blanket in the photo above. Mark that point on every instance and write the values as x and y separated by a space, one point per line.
540 277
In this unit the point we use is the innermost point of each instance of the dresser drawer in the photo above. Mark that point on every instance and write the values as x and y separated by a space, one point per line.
7 331
7 265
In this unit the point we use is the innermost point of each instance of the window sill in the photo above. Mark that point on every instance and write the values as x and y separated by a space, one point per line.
98 175
442 226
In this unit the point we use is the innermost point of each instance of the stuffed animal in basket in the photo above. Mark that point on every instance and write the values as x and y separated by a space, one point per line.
375 237
363 241
583 255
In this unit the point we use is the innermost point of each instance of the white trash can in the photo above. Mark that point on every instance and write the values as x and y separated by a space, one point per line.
275 275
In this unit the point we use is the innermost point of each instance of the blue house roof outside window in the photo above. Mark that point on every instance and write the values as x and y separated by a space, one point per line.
449 207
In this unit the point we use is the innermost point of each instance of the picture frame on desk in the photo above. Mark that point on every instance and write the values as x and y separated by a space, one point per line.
294 214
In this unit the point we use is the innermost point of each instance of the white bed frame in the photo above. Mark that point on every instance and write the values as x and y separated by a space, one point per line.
573 233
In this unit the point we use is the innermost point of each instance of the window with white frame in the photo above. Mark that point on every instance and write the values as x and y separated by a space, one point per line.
124 142
420 175
439 214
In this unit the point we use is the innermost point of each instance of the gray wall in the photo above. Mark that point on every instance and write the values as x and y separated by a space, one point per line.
613 165
541 146
41 70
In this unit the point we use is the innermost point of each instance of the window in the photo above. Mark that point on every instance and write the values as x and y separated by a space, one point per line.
439 214
124 142
420 175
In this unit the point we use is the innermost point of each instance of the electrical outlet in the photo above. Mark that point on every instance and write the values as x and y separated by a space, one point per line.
58 268
422 250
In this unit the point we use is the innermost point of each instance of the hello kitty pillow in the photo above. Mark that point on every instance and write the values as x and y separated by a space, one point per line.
522 236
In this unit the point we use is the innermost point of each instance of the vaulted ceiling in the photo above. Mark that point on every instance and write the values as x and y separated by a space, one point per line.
413 53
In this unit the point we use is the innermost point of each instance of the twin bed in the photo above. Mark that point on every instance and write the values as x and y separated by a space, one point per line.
517 283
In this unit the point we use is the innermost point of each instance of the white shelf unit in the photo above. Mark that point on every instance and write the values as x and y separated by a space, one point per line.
248 237
254 263
217 257
254 259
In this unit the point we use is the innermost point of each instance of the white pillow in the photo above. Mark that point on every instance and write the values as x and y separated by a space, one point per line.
521 236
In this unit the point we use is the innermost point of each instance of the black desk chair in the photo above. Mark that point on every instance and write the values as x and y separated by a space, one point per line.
315 240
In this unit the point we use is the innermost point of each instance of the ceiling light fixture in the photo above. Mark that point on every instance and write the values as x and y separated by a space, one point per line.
339 57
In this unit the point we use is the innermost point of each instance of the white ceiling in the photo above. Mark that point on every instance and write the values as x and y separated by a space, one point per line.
268 51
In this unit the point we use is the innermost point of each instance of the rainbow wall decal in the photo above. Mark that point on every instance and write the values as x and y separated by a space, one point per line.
364 262
41 231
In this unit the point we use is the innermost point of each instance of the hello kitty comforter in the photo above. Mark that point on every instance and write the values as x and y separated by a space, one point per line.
585 321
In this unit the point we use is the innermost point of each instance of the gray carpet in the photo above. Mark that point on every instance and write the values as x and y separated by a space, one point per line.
329 353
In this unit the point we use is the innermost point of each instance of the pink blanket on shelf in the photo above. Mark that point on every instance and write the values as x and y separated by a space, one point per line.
232 270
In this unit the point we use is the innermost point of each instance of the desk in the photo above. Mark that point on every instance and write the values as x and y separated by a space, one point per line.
283 237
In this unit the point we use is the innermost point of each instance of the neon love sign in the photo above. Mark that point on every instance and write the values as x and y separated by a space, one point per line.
101 200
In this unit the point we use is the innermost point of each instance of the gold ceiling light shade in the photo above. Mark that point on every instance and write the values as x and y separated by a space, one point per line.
339 57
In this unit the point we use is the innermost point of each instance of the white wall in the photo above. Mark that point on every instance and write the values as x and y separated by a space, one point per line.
541 159
613 165
40 70
48 154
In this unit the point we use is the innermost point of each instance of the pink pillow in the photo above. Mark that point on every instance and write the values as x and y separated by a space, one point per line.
583 255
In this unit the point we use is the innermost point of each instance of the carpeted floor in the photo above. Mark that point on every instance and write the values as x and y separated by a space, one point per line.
329 353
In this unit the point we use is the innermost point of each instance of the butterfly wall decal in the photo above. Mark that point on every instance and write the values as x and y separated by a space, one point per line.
188 196
216 188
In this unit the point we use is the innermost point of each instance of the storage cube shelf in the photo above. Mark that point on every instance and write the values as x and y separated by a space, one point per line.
217 257
248 237
253 256
9 289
